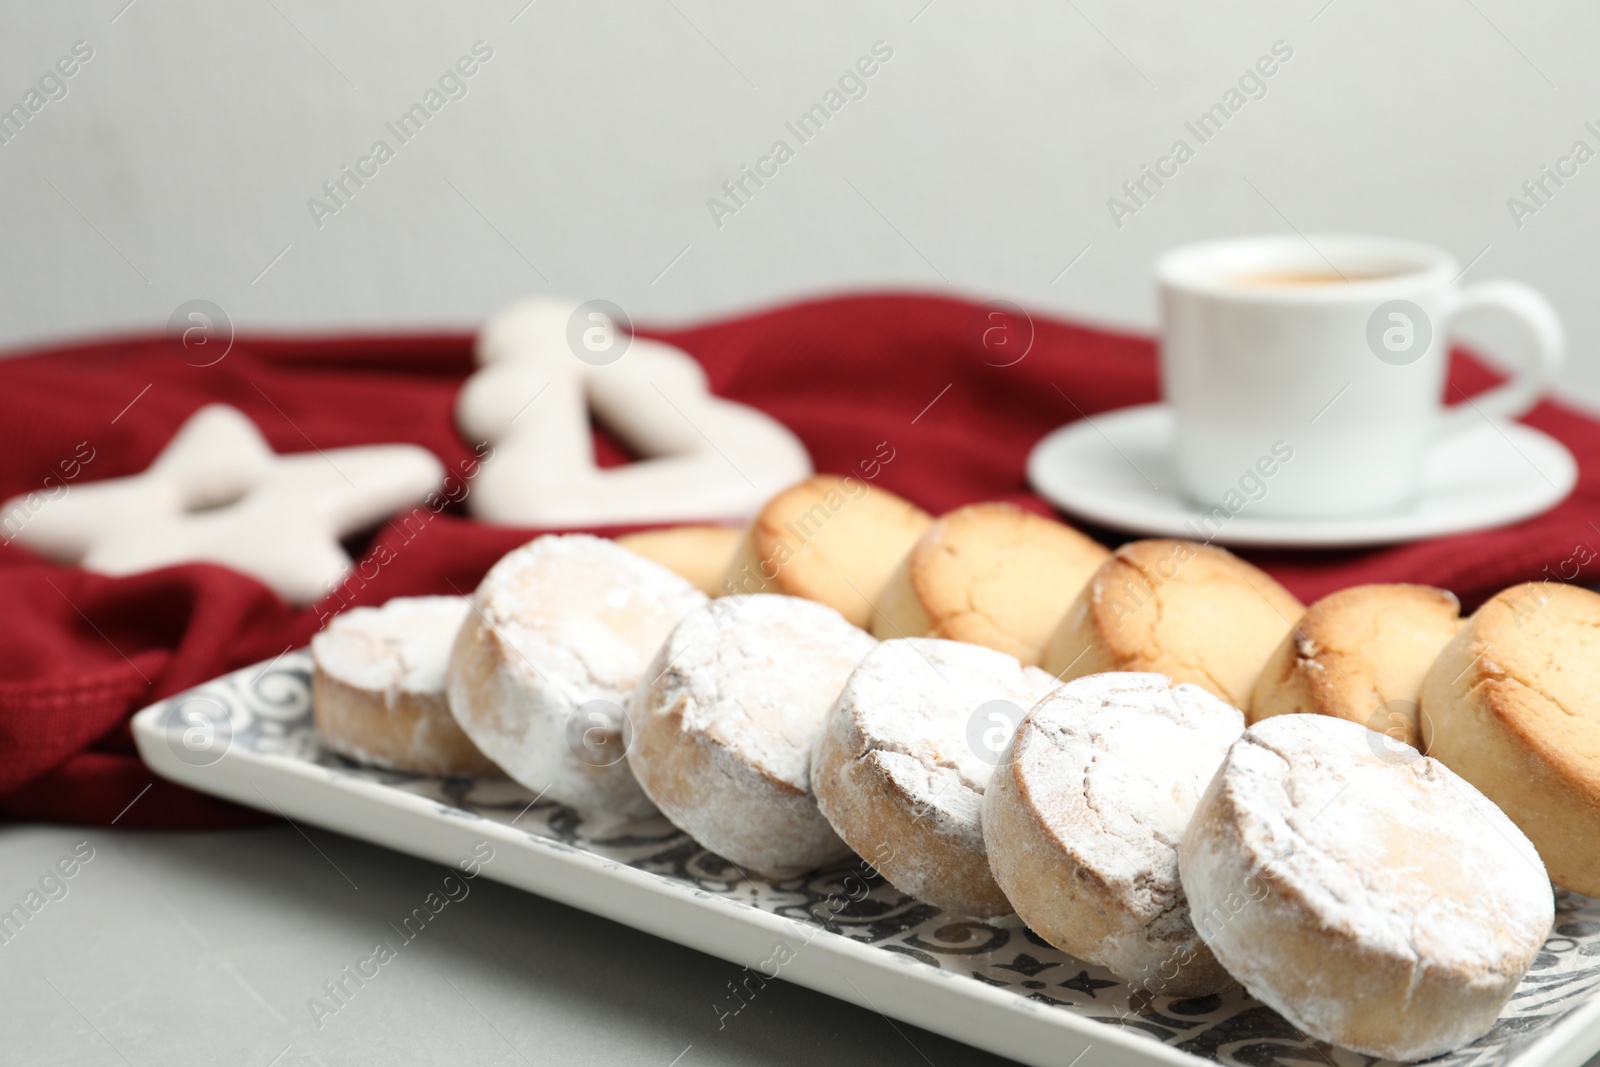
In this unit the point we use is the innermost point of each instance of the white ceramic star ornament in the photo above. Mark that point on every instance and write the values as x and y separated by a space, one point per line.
218 494
545 364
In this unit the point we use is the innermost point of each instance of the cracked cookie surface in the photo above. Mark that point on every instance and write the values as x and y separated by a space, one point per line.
1360 654
1380 904
1190 611
1084 815
897 772
829 539
989 574
1513 706
725 721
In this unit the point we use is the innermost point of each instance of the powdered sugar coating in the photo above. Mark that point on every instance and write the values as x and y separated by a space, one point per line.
557 623
1355 829
1111 767
762 686
1429 903
899 736
583 612
727 718
1115 764
379 687
401 647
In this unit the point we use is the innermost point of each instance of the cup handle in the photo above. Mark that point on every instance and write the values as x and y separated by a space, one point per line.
1523 391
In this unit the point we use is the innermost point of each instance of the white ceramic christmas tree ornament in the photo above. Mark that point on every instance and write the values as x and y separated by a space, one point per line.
545 365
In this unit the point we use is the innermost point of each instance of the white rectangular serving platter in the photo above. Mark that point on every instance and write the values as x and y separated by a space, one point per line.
248 736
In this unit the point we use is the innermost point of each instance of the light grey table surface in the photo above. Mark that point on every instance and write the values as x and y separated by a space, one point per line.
206 948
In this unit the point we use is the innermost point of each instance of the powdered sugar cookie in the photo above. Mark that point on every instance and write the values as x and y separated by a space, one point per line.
561 631
1085 813
377 687
726 721
1385 906
899 776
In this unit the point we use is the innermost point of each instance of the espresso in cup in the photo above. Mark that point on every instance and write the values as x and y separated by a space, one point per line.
1304 278
1325 357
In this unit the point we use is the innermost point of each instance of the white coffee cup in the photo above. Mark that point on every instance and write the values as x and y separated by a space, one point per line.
1318 363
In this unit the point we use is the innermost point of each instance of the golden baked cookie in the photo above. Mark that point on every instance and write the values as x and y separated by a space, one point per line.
1189 611
697 553
1512 705
829 539
991 575
1360 654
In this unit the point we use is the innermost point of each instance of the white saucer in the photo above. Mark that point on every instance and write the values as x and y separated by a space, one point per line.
1115 470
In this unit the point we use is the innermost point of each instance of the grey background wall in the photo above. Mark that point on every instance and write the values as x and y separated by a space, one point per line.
580 160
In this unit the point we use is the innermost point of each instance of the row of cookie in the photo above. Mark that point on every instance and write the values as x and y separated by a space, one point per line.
1129 822
777 734
990 574
995 575
1507 699
1370 895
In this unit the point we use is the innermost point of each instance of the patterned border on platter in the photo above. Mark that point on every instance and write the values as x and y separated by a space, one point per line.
268 710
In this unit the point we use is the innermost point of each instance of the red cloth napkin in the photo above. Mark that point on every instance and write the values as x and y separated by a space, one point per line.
858 378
